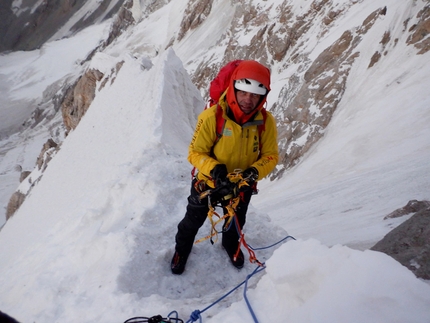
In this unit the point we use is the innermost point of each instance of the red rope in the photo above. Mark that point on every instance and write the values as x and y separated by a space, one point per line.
252 257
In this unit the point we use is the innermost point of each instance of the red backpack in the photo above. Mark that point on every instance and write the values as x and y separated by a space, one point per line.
220 83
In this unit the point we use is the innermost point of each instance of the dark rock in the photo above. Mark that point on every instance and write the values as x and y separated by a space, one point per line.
15 202
24 29
48 149
24 175
413 206
79 97
195 13
122 21
4 318
409 243
420 31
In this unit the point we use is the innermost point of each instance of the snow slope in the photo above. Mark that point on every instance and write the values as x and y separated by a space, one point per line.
101 252
24 79
93 241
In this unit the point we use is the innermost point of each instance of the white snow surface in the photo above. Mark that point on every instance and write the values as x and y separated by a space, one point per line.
94 239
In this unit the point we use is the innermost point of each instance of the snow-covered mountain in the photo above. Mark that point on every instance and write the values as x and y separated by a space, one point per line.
93 238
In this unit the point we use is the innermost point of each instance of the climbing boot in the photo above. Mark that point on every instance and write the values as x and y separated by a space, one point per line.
178 263
240 259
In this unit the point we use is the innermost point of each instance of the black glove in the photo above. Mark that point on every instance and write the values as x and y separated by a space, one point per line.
250 175
223 187
219 174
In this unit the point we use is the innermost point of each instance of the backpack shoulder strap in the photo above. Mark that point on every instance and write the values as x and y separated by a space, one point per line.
262 127
220 123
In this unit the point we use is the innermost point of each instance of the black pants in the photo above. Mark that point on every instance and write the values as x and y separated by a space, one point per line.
195 216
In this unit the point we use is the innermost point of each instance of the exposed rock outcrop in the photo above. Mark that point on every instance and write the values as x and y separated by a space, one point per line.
122 21
420 32
305 105
49 149
79 97
15 202
409 243
24 175
195 13
309 110
29 25
312 94
74 98
413 206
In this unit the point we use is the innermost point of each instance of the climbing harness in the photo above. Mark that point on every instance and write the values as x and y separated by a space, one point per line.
229 216
236 181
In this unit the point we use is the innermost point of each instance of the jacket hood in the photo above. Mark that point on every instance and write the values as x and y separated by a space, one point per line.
252 70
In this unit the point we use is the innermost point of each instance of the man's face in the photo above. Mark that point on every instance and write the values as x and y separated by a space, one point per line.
247 101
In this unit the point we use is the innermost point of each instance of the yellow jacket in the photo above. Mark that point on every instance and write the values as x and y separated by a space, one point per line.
238 148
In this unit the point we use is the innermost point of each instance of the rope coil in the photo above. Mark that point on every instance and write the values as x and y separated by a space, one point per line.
156 319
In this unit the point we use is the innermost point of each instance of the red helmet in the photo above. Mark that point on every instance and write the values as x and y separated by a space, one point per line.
249 76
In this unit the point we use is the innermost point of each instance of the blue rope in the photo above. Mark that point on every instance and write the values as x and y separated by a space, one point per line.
195 315
272 245
257 269
176 314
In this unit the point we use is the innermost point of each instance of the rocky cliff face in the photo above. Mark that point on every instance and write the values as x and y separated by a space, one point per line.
309 112
409 243
281 36
312 93
30 25
72 96
420 30
278 37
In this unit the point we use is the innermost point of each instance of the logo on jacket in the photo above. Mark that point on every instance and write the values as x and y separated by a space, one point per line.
227 132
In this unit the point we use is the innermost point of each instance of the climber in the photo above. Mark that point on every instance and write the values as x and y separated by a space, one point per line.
248 142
